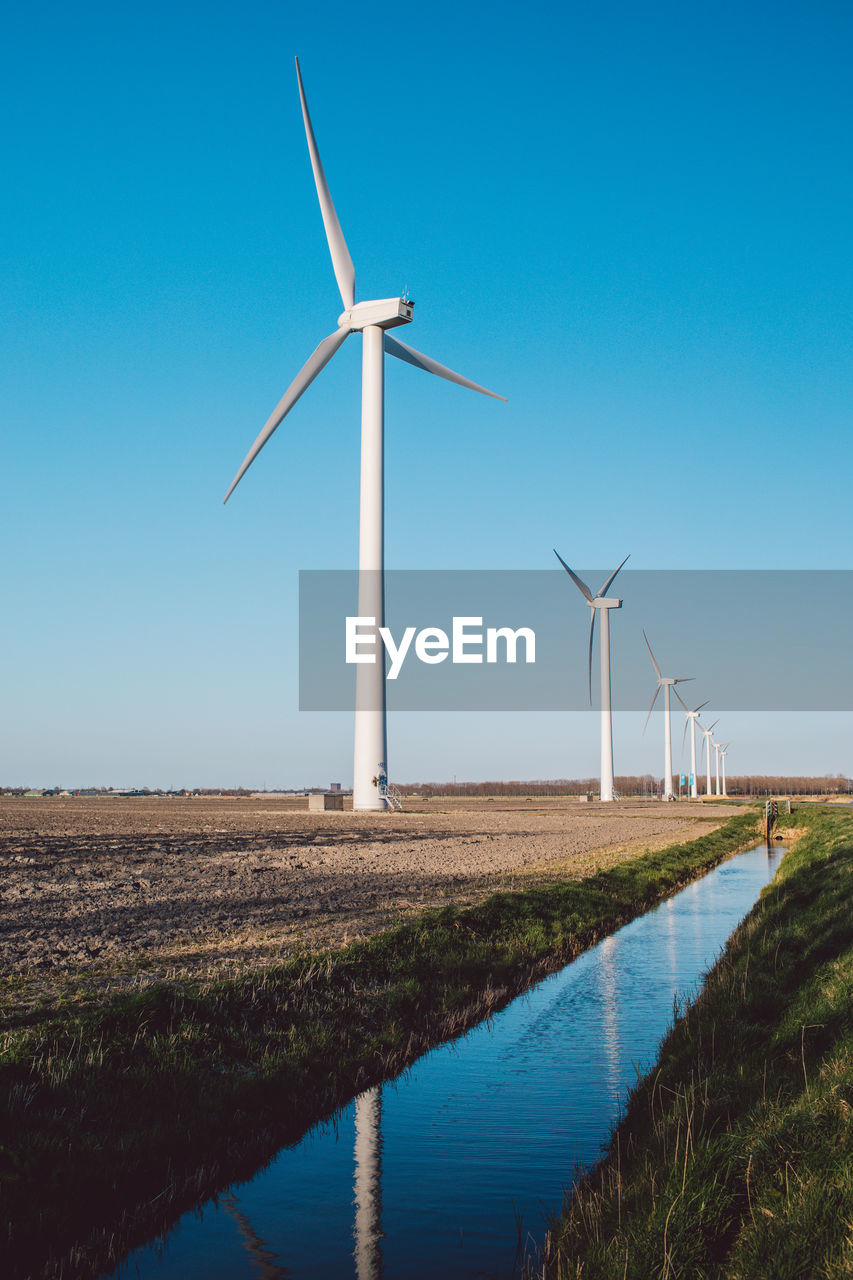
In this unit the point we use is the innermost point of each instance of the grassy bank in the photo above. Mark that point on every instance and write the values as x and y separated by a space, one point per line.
735 1155
120 1115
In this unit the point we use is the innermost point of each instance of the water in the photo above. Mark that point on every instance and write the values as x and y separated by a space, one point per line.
432 1174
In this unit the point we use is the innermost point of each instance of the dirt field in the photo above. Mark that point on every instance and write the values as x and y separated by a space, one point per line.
130 890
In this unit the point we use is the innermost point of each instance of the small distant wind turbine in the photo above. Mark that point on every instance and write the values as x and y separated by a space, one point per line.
723 752
600 603
373 319
691 717
707 734
666 683
716 767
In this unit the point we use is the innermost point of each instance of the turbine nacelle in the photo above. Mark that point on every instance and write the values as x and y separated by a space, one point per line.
385 313
604 602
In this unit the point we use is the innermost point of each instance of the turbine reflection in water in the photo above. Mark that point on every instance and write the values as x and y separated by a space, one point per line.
367 1186
265 1265
609 1007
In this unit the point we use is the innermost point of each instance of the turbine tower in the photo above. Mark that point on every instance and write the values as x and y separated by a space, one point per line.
723 751
707 735
600 603
666 683
373 319
717 767
691 717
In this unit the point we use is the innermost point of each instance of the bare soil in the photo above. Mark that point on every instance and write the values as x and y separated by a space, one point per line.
127 891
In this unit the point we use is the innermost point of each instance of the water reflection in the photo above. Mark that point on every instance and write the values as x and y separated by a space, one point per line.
367 1188
608 987
265 1265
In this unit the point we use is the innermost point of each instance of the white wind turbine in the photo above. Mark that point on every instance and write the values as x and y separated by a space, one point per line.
723 751
600 604
691 718
707 734
666 683
716 767
373 319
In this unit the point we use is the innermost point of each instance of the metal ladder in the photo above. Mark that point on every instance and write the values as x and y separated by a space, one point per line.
390 795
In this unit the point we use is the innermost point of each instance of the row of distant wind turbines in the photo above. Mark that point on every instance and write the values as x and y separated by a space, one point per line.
601 603
373 319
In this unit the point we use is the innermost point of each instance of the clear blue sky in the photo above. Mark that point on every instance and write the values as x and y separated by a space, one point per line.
632 221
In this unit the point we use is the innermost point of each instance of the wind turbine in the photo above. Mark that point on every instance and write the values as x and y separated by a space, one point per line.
707 734
666 683
691 717
716 767
373 319
723 751
600 603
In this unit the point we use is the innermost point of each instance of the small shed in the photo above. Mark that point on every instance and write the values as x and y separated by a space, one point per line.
320 800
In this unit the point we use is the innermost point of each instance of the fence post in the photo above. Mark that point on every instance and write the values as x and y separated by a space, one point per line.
770 811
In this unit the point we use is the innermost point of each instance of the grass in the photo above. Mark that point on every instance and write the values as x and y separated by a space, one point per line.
735 1157
121 1114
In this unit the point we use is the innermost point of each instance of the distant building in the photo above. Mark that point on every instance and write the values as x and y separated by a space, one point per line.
334 786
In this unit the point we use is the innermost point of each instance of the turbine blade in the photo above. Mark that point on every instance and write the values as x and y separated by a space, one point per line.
420 361
682 679
341 260
603 591
652 656
574 577
591 631
684 734
701 705
679 697
710 727
317 361
651 708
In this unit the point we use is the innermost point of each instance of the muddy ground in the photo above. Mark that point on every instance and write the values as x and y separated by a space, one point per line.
130 890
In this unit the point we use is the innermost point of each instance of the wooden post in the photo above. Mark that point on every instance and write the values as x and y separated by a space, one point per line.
771 810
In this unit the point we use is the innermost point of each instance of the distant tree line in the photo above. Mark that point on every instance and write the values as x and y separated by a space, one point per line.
625 785
637 785
777 784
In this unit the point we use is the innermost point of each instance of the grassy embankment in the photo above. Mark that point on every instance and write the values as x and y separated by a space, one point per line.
735 1154
118 1116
